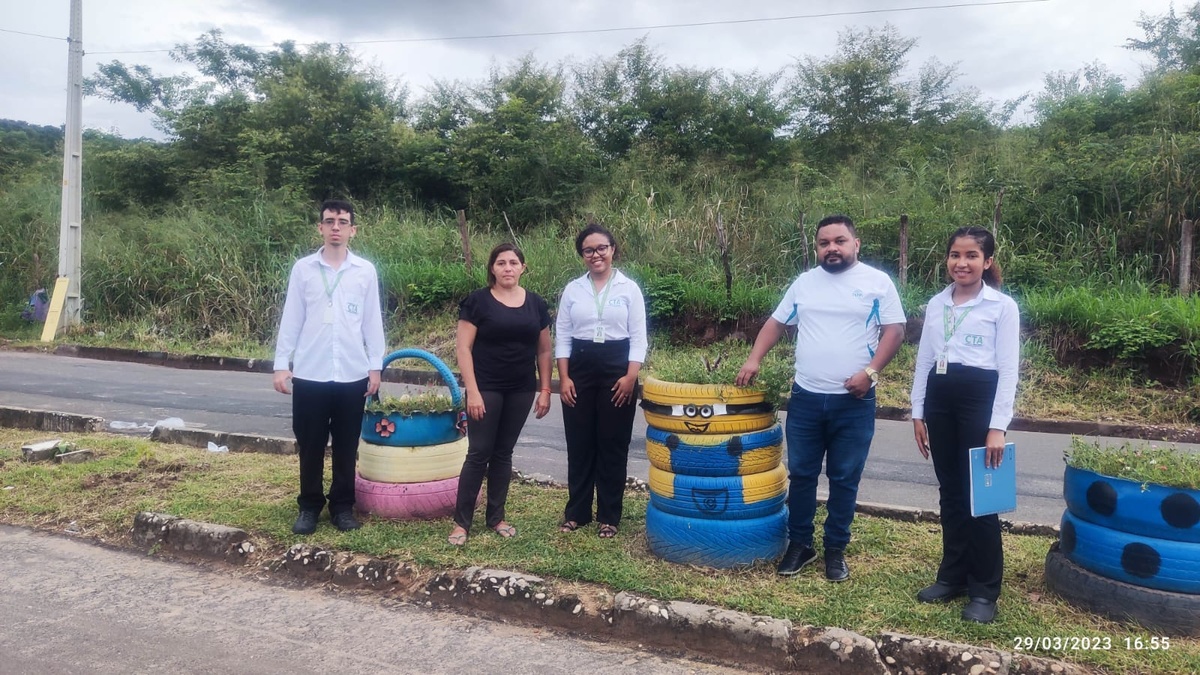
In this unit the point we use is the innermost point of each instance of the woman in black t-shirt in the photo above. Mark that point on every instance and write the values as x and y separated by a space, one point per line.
503 333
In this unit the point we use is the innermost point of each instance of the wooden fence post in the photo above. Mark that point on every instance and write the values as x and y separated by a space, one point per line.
465 234
723 244
996 214
903 249
803 240
1185 258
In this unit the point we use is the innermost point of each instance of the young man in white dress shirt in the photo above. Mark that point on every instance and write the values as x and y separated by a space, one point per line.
849 326
329 357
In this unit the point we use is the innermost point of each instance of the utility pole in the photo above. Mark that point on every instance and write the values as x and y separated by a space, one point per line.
70 234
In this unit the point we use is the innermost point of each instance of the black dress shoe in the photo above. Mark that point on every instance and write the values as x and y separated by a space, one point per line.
795 559
836 568
344 521
940 591
306 522
980 610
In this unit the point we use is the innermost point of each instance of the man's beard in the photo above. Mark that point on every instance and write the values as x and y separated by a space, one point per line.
841 265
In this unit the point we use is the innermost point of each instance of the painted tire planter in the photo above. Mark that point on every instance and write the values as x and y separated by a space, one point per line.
420 428
698 423
719 497
671 393
411 464
715 454
716 543
1163 564
1120 504
406 501
1164 611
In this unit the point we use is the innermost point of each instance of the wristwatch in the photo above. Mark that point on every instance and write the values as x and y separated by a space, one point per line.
872 373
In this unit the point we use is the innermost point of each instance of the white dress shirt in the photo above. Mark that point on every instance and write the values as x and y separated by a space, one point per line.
332 336
989 337
624 315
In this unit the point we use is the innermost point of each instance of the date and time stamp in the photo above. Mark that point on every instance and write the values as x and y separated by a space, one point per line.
1081 643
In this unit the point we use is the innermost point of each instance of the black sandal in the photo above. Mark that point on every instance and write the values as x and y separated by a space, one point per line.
607 531
568 526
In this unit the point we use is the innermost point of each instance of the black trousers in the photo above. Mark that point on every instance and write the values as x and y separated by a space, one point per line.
489 452
327 413
598 432
958 410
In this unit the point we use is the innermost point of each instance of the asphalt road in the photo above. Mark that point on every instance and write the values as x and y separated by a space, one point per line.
246 403
72 607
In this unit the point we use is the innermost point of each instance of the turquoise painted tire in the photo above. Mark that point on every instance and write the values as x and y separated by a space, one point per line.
1164 564
716 543
1119 504
715 454
420 429
719 497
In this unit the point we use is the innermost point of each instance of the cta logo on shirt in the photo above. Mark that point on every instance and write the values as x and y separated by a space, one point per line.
973 340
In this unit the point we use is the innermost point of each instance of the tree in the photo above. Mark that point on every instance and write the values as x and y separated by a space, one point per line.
1173 41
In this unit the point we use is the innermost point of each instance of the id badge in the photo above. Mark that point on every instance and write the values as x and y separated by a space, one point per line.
328 315
599 336
942 364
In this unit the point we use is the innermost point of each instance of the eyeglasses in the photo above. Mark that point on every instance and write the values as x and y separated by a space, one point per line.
343 222
600 250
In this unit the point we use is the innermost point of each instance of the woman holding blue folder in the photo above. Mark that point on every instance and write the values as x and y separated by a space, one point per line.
962 398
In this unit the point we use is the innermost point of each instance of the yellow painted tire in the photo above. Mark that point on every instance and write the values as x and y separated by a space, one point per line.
411 464
717 424
719 497
682 393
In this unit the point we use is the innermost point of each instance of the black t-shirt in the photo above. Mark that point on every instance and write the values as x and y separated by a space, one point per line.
506 339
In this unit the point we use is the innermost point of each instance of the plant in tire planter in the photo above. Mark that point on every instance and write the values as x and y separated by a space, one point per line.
1130 536
429 418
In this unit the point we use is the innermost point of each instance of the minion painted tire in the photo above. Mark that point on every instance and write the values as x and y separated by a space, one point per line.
1119 504
1160 611
715 543
715 454
1163 564
682 393
719 497
717 424
411 464
406 501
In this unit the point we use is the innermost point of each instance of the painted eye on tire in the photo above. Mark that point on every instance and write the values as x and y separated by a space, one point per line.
689 410
706 411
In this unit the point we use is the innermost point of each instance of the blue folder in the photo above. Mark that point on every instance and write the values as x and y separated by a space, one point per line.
993 490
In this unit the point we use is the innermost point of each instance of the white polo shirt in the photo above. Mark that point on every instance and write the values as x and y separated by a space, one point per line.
989 337
838 318
351 344
623 316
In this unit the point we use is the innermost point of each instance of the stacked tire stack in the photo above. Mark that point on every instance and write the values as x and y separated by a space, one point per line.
718 489
1129 550
408 465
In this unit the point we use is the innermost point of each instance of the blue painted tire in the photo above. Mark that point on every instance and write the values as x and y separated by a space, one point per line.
719 497
715 543
1164 564
1119 504
420 429
715 454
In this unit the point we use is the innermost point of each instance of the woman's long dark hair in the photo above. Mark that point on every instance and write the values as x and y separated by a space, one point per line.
987 243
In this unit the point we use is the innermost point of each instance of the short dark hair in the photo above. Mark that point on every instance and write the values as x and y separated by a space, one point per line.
501 248
595 228
838 219
987 243
337 206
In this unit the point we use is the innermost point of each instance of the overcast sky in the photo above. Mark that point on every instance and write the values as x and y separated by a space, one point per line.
1003 50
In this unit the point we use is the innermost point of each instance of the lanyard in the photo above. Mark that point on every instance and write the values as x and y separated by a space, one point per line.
325 280
950 324
601 300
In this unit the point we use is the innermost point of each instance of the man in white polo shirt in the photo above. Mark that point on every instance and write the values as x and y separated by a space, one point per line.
329 356
849 325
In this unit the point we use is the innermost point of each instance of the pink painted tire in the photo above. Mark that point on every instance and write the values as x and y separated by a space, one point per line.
406 501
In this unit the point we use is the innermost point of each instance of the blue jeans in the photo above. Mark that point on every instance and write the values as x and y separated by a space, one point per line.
837 428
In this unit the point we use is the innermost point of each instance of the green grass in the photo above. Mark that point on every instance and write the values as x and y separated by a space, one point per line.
890 560
1138 462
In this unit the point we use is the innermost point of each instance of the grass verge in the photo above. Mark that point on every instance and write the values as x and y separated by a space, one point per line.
890 560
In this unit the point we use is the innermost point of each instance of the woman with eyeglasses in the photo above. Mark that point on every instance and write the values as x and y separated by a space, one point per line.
600 344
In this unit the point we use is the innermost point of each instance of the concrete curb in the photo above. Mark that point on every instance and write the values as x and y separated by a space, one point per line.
200 438
733 638
201 362
49 420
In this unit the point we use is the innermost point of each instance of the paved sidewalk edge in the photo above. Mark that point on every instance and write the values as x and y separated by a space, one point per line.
683 628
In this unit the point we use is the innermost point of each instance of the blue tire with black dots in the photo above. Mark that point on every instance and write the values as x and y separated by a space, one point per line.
1164 564
715 454
1119 504
719 497
716 543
